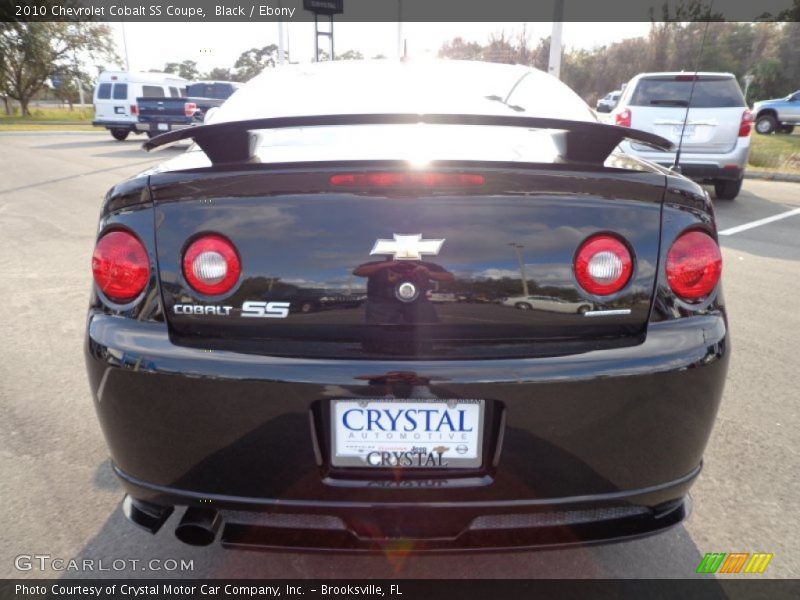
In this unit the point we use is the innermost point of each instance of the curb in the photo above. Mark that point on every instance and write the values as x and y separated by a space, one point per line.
771 176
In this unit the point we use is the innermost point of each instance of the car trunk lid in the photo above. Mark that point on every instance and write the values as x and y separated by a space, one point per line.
308 248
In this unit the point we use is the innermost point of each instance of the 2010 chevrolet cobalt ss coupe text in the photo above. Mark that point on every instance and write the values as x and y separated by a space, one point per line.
375 415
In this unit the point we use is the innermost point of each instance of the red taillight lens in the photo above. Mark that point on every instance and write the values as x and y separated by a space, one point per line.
413 179
211 265
623 117
603 265
694 265
746 124
134 109
120 266
189 108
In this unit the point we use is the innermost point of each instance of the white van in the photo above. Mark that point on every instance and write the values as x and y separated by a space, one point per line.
116 93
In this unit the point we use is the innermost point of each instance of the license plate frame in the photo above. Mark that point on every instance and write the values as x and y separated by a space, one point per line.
462 449
163 126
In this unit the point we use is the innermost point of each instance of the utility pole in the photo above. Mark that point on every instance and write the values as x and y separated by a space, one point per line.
554 65
518 251
400 49
125 47
78 78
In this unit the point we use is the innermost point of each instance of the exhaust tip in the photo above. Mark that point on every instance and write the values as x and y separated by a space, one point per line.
198 527
149 517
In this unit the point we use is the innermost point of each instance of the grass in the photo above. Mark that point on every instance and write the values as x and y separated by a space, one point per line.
775 152
43 118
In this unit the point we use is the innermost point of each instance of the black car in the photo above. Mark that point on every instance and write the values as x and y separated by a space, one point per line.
400 422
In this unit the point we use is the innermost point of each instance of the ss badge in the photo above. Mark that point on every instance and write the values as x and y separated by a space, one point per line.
265 310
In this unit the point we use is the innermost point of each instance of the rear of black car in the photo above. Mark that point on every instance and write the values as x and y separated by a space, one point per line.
309 329
589 425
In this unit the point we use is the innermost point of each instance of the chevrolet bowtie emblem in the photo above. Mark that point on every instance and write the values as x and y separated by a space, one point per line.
407 247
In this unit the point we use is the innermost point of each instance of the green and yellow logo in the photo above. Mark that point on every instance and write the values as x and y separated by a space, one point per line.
735 562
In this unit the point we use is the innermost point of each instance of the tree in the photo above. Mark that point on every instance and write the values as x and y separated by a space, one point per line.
220 74
253 61
31 52
350 55
458 49
187 69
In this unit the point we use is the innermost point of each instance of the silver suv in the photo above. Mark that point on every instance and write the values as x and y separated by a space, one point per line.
716 138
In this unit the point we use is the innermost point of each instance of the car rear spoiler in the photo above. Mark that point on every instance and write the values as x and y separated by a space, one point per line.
232 142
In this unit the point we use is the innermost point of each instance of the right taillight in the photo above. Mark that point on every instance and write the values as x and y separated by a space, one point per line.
746 124
623 117
120 266
189 108
211 265
694 265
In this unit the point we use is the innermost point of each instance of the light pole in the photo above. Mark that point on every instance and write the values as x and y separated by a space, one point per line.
554 64
518 251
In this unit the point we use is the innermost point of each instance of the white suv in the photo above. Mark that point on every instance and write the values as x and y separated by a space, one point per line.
716 139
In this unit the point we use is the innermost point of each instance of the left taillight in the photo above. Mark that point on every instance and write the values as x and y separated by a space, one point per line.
211 265
134 109
120 266
623 118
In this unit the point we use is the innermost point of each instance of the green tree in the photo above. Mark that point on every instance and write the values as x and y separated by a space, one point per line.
251 62
220 74
350 55
31 52
186 69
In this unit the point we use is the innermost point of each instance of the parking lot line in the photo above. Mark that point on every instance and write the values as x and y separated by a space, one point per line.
759 222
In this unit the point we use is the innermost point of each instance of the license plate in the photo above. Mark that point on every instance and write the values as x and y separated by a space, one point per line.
163 126
688 132
407 434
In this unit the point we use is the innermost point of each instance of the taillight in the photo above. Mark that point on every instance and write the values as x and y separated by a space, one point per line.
189 108
603 265
120 266
134 109
410 179
623 117
694 265
211 265
746 124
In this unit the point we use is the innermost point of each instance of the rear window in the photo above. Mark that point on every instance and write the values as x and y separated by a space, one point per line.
174 92
104 91
120 91
674 91
219 91
153 91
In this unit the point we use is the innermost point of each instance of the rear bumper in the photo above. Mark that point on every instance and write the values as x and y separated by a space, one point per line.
126 125
702 166
154 127
590 447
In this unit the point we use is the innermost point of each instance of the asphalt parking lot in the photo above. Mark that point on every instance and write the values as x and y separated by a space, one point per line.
60 498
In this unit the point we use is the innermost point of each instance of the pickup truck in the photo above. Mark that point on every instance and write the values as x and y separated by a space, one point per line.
779 115
160 114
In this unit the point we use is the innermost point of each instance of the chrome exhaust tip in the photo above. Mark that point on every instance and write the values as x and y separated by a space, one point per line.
149 517
198 527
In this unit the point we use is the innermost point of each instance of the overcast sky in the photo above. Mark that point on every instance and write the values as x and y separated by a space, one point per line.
151 45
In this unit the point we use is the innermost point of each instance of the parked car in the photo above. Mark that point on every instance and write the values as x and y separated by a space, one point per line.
547 303
115 97
159 114
607 103
779 115
716 137
346 430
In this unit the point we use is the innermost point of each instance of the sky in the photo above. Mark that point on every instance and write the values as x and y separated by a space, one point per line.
151 45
